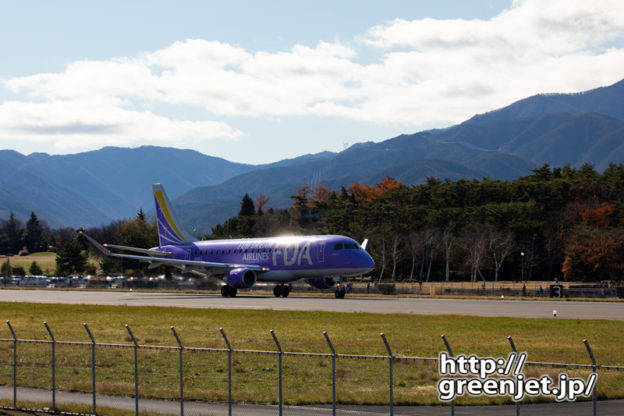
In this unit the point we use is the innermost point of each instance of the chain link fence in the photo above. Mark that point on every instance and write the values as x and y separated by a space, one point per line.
177 372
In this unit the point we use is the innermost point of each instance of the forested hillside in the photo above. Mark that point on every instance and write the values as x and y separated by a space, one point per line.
556 223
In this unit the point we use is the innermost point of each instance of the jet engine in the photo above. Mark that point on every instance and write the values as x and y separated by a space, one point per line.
241 278
321 282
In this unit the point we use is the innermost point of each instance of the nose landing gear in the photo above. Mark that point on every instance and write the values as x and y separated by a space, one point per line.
340 291
281 290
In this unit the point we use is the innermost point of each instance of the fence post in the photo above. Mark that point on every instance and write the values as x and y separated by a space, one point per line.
591 355
14 365
331 347
53 367
279 354
181 372
92 362
391 381
450 351
513 348
136 372
229 349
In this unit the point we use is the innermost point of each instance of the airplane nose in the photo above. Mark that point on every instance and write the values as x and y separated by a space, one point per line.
369 262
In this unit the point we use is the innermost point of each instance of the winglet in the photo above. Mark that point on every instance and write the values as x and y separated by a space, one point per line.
365 243
96 244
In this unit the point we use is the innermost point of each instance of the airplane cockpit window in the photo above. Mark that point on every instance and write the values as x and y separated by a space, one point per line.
338 246
351 246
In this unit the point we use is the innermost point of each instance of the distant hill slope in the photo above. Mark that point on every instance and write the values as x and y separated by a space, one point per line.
93 188
608 101
23 191
558 129
557 139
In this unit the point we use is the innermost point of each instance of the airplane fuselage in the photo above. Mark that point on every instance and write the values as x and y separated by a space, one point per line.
322 260
285 258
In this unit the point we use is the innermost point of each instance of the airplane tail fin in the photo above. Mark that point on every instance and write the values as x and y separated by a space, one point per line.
169 230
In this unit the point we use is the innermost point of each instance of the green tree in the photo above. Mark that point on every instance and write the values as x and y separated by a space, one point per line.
90 269
138 233
110 265
13 229
247 207
70 259
33 236
141 215
19 271
4 243
5 269
35 269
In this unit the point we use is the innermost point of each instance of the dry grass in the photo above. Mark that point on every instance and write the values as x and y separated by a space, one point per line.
47 261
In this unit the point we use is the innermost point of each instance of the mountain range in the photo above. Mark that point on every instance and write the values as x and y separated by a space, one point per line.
94 188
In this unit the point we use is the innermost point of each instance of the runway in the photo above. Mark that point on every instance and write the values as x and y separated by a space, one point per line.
381 305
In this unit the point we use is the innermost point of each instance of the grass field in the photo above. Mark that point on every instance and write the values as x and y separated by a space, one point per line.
47 261
306 379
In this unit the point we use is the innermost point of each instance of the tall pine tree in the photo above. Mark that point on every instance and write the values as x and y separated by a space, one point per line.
33 234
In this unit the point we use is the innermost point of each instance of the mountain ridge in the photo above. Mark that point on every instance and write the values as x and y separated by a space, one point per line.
96 187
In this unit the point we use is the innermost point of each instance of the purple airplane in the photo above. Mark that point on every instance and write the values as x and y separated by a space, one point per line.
322 260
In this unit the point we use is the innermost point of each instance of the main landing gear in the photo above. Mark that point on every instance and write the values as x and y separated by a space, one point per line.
340 292
281 290
227 290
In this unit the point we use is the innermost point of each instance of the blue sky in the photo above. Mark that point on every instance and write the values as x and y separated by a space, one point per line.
257 82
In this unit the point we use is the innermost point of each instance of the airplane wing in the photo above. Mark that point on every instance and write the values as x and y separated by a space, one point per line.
139 250
156 259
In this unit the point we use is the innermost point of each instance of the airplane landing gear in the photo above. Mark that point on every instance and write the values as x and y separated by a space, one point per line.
227 290
340 292
281 290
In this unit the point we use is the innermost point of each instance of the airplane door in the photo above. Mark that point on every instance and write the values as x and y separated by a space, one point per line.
321 252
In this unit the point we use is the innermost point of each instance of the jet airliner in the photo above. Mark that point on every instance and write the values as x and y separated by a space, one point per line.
322 260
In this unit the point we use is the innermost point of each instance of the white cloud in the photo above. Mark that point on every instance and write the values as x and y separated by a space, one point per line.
77 125
428 72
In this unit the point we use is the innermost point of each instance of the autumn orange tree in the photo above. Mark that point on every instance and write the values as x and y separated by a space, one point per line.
593 254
